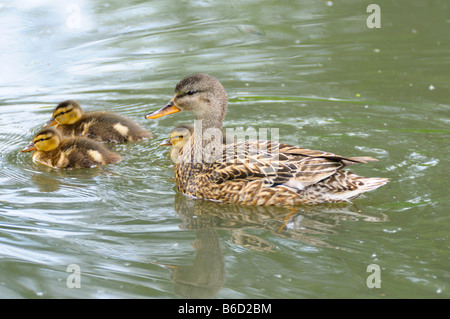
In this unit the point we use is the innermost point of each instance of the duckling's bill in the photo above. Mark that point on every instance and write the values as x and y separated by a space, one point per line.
170 108
29 148
166 142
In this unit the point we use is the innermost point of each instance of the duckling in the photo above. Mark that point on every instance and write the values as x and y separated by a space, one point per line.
179 136
276 174
70 121
52 150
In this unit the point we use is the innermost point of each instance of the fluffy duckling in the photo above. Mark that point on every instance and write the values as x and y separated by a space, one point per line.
179 136
99 126
52 150
277 174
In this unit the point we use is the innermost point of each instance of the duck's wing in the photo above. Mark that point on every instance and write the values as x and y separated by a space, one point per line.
278 164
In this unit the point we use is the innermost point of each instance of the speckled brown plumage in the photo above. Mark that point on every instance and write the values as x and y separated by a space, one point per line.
296 176
52 150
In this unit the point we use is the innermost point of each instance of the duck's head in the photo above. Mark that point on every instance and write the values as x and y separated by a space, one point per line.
45 140
67 112
179 136
201 94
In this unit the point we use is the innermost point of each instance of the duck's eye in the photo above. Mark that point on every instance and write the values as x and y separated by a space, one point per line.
191 92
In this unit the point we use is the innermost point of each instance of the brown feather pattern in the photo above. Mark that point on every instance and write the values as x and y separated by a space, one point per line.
272 173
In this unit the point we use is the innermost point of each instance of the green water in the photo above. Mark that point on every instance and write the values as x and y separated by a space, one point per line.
312 69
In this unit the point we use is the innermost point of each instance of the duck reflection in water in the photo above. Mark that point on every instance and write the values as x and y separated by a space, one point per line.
206 276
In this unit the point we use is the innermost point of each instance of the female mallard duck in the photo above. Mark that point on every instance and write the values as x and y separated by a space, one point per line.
99 126
74 152
265 172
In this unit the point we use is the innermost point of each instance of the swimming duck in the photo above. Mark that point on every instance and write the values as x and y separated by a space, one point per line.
265 172
70 121
52 150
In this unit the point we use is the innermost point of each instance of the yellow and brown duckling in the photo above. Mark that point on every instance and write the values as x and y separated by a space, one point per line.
179 136
70 121
52 150
276 174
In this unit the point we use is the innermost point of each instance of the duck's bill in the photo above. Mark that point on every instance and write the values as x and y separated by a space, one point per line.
165 143
170 108
29 148
51 122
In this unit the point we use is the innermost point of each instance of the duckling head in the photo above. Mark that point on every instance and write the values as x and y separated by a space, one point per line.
201 94
179 136
67 112
45 140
